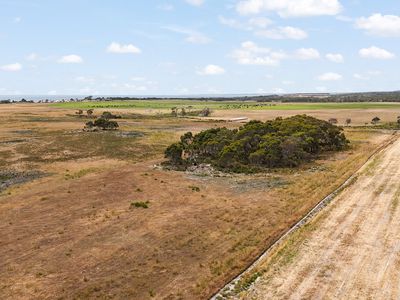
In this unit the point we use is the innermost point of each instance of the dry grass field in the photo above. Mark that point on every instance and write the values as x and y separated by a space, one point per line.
70 228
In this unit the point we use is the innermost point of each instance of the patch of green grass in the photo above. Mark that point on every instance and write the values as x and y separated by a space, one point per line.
140 204
63 146
197 104
80 173
246 282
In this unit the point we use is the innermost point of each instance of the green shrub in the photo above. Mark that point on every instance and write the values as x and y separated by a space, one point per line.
103 124
194 188
140 204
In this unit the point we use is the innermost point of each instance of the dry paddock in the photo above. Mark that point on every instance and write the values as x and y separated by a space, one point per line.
74 234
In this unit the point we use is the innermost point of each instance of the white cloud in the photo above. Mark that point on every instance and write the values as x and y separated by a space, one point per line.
307 54
32 57
260 22
197 39
17 19
137 78
52 93
344 19
123 49
233 23
12 67
195 2
166 7
211 70
366 76
251 24
192 36
251 54
330 77
360 76
335 57
380 25
71 59
376 53
262 28
290 8
281 33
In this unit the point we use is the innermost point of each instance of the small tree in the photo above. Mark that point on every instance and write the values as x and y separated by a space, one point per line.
183 111
89 112
105 124
348 122
107 115
205 112
79 112
375 120
174 111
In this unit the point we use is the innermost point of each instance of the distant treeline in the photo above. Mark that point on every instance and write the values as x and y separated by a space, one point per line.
14 101
293 98
311 98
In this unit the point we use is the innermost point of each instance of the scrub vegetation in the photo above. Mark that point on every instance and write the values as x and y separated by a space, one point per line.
258 145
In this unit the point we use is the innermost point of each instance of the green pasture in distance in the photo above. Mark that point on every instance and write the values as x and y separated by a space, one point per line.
196 104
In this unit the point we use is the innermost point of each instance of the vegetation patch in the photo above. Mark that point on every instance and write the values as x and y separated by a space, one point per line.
9 178
226 104
101 123
194 188
129 134
257 146
140 204
80 173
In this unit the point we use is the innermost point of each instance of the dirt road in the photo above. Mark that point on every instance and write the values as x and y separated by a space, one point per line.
353 248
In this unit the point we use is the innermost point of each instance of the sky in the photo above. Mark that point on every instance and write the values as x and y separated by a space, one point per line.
195 47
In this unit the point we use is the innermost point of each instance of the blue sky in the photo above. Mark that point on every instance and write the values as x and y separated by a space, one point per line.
171 47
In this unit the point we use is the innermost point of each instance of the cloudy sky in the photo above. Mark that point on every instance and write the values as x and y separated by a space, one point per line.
171 47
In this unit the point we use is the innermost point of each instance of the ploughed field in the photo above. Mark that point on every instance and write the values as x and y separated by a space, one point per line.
90 214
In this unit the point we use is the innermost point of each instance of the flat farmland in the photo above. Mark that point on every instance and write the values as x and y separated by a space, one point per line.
360 112
70 228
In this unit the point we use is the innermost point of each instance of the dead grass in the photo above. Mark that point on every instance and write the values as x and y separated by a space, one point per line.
196 234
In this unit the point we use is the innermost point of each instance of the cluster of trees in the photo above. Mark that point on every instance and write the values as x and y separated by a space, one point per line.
103 123
8 101
188 111
258 145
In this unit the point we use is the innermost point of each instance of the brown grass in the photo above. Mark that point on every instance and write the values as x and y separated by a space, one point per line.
79 238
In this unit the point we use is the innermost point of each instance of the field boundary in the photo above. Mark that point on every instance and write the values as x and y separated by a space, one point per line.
230 286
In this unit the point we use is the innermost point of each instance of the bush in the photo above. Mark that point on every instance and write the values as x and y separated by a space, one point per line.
257 145
107 115
140 204
103 124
